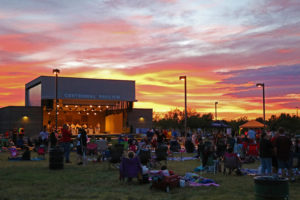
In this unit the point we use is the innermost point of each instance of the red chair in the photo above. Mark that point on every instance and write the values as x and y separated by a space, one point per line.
165 182
252 150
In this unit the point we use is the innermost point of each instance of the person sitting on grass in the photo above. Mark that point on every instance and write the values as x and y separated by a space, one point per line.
25 155
164 171
145 174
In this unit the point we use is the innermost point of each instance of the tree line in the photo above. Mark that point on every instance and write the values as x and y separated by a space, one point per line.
174 119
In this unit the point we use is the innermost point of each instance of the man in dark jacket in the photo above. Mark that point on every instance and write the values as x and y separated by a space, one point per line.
265 153
283 147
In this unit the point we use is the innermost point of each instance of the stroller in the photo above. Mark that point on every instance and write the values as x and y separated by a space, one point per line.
92 150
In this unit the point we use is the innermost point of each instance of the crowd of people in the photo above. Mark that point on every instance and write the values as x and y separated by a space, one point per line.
278 151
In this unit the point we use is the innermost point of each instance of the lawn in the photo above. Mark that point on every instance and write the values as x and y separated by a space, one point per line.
34 180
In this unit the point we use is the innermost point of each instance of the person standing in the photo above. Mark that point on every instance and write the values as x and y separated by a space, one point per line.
66 142
252 135
44 136
82 139
53 140
283 146
265 153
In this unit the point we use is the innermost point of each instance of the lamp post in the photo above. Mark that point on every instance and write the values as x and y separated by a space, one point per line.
216 114
264 108
185 105
297 111
56 72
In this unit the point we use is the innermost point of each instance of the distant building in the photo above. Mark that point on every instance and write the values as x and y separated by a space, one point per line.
100 106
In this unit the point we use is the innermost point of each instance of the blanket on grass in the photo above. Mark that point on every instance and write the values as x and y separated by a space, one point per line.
20 159
194 180
181 159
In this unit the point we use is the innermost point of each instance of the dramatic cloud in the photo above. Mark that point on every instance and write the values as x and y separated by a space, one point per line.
223 47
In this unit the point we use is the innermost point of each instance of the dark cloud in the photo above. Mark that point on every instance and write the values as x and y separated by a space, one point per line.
278 80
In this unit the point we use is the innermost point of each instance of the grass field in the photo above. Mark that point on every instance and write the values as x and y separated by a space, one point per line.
34 180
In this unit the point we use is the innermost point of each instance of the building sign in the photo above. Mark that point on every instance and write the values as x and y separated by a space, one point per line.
89 96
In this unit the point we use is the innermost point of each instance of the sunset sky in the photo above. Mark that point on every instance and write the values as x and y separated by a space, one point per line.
224 47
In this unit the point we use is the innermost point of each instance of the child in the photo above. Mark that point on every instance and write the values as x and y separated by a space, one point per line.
165 171
145 174
26 154
133 146
41 151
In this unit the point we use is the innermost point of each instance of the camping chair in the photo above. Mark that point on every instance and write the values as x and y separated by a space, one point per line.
161 154
102 147
116 153
92 150
212 165
145 156
41 151
164 182
174 147
130 168
252 151
231 163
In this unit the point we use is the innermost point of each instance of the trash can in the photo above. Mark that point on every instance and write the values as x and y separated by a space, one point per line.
56 158
271 187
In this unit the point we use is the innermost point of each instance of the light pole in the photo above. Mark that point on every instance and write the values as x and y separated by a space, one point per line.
297 111
185 105
56 72
216 114
264 108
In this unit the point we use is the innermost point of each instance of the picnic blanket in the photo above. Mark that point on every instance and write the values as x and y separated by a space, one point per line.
194 180
250 172
20 159
181 159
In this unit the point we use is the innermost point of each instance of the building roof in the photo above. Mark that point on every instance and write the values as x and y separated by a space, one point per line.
83 88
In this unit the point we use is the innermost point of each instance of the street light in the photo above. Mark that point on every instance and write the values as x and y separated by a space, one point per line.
56 72
264 108
185 105
297 111
216 114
